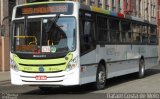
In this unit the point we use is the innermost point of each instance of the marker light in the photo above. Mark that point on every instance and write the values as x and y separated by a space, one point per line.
13 65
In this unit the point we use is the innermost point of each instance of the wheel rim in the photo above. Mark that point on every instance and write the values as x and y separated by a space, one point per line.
101 77
142 70
142 65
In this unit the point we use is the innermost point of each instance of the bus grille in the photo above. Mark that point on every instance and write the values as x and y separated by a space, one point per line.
42 64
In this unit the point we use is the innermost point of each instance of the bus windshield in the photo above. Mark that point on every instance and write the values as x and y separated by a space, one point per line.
44 35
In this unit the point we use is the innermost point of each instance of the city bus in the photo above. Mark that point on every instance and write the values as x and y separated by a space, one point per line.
65 43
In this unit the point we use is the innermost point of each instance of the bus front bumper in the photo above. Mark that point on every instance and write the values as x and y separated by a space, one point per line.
63 78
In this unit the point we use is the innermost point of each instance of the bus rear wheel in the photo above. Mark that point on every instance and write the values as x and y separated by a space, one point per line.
100 78
141 68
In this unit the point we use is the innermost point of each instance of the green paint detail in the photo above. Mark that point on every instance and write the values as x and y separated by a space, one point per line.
105 11
63 63
100 10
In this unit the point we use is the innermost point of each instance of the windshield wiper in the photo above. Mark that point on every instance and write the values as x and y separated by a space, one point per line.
50 27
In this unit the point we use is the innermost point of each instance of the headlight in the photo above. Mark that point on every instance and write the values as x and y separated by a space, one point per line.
72 64
13 65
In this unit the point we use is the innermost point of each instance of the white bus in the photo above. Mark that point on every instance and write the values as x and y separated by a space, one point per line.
67 43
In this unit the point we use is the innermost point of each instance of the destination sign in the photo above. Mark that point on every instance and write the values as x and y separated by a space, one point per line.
41 9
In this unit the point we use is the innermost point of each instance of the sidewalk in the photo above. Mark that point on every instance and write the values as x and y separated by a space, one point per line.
4 76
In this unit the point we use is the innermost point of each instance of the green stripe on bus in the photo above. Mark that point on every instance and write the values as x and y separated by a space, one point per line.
40 63
100 10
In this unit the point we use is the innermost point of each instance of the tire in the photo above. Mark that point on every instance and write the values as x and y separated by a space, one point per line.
100 78
141 68
45 88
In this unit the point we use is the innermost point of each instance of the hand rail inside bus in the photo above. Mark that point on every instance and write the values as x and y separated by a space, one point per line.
30 43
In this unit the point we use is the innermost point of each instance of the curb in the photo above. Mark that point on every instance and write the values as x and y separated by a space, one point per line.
5 76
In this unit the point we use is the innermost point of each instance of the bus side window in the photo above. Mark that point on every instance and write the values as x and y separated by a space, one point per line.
126 32
153 35
86 38
136 33
114 30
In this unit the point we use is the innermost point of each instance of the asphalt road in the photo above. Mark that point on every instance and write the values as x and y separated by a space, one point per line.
123 84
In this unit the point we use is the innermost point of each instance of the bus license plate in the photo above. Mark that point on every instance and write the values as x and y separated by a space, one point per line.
41 77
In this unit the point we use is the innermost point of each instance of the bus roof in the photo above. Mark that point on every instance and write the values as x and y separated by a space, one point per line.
114 14
95 9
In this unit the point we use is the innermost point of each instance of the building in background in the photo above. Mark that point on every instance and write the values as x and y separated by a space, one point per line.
4 35
158 16
148 10
158 23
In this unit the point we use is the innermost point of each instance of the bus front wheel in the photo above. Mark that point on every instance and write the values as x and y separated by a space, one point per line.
141 68
100 78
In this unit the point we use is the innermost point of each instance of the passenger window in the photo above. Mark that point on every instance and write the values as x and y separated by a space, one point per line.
114 30
86 36
136 33
102 26
144 34
152 35
126 31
